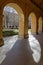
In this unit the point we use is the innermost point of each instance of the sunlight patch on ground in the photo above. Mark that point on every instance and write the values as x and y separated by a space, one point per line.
35 47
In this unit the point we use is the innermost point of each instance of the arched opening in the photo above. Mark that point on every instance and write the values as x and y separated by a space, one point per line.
10 21
19 12
40 25
33 40
9 42
32 23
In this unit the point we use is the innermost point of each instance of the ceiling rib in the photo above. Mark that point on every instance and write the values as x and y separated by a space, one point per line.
36 5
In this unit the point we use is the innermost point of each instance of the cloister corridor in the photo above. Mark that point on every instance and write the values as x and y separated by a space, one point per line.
25 48
17 51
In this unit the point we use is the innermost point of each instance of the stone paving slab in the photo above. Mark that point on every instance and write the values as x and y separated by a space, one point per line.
8 44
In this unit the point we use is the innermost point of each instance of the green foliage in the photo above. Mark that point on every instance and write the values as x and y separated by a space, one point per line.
10 33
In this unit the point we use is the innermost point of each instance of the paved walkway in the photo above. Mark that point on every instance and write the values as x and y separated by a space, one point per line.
17 51
8 44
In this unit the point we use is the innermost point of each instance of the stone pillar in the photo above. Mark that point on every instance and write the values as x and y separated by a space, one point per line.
34 25
26 26
40 25
1 34
23 27
5 22
37 26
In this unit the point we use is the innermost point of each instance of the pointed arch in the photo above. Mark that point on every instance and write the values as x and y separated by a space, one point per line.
33 19
21 17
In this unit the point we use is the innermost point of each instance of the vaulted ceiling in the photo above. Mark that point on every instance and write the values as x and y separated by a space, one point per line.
38 3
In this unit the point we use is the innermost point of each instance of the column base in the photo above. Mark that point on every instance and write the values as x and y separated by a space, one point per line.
25 36
39 32
35 33
1 42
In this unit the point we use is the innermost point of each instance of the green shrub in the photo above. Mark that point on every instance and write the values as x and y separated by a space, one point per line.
10 33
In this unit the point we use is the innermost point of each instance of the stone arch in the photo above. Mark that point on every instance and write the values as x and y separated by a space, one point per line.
21 17
40 22
15 6
33 22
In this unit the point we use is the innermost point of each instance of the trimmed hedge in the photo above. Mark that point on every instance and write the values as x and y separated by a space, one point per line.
9 33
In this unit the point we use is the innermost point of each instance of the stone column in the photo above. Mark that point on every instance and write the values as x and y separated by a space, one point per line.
40 25
23 27
5 21
26 26
1 34
34 25
37 26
